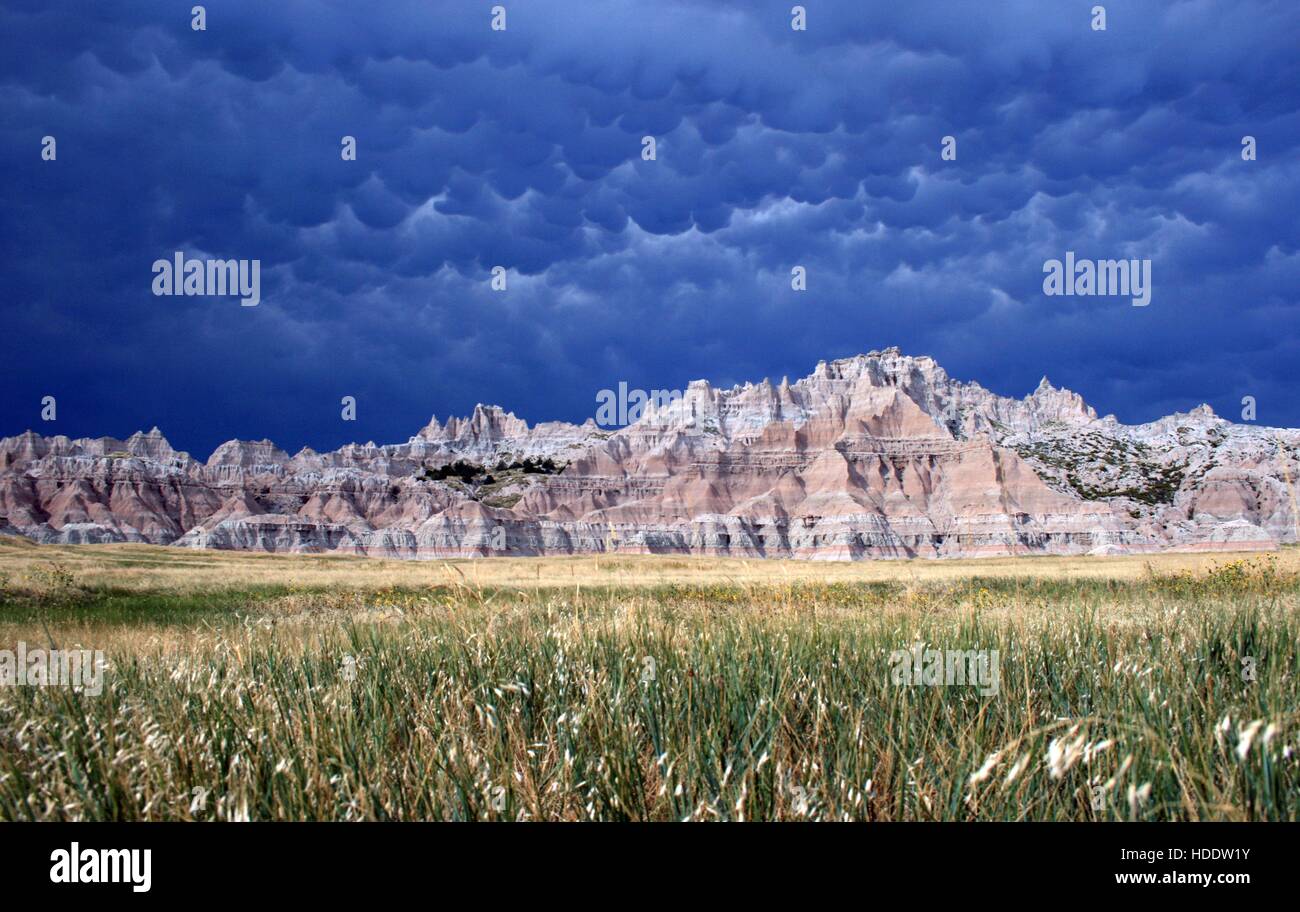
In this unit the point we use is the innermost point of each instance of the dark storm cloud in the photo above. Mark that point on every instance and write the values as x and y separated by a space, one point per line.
522 148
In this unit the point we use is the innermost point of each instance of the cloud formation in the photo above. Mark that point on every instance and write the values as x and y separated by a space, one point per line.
522 148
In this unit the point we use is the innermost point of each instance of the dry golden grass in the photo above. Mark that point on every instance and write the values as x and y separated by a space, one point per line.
1169 697
278 687
154 568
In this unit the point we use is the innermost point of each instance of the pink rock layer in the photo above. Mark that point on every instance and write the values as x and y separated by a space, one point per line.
877 456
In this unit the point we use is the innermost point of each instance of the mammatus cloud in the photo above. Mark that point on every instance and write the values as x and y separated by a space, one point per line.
522 148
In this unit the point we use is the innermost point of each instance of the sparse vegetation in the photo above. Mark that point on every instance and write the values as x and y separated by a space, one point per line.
503 501
470 472
490 487
1096 467
54 584
465 471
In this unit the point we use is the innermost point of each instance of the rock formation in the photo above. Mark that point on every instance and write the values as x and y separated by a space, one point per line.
876 456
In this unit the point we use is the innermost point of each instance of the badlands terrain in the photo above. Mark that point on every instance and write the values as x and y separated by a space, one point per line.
881 455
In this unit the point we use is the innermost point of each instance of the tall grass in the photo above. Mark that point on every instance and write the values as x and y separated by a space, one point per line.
1116 701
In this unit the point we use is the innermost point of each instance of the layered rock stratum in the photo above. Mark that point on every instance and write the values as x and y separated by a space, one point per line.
877 456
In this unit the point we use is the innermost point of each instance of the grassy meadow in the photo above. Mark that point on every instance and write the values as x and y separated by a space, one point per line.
243 686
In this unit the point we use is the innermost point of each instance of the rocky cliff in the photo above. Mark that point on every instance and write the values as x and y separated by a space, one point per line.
877 456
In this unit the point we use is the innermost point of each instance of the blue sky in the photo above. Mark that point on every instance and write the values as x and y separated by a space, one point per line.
522 148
